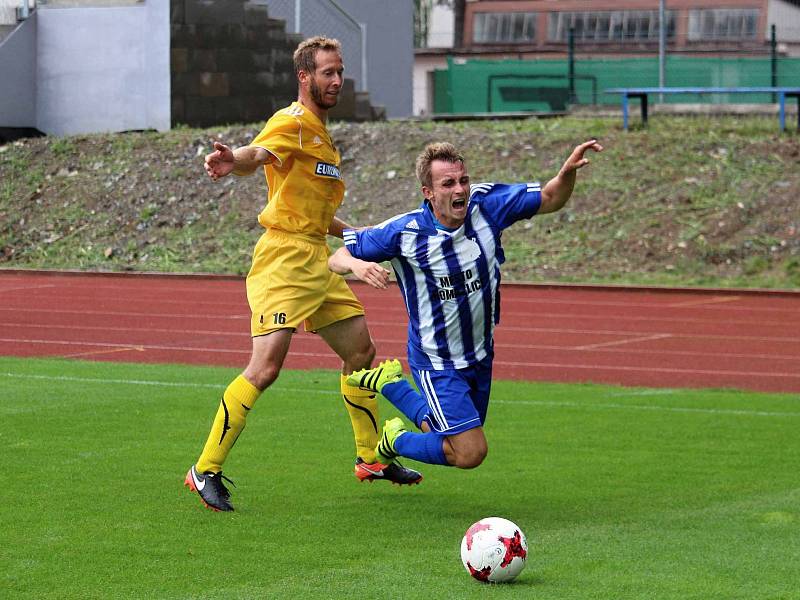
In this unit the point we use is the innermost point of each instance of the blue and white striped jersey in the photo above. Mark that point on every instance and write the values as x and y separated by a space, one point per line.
449 280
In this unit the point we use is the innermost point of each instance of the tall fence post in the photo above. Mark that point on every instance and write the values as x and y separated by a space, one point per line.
571 64
773 52
662 46
363 27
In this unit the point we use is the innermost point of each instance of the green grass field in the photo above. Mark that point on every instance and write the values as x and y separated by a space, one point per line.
623 493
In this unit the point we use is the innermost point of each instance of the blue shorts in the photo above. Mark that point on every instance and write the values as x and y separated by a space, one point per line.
457 398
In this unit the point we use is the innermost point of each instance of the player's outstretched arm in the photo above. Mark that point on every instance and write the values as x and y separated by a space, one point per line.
243 161
342 262
557 191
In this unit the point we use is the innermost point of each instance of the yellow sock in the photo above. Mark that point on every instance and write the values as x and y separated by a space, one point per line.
362 406
236 402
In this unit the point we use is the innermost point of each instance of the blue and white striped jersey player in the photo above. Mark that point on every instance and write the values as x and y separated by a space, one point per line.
446 256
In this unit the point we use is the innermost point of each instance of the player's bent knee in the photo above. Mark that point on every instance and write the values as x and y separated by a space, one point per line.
468 448
471 459
361 358
471 456
262 376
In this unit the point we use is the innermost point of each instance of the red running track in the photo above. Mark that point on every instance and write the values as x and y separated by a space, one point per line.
629 336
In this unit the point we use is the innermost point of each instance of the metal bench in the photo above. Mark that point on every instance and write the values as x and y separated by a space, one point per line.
642 93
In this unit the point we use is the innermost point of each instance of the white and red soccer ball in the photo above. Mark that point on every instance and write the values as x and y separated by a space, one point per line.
494 549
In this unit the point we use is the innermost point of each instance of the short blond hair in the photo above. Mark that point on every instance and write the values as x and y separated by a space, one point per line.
436 151
305 55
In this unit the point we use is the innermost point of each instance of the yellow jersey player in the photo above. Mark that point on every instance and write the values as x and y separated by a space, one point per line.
289 282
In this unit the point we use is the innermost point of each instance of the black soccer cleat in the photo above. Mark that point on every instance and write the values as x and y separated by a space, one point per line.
210 488
394 472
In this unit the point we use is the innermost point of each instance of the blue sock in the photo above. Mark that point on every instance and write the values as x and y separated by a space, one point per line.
407 400
424 447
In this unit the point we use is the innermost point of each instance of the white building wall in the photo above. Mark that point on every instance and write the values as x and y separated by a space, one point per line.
440 35
440 29
786 18
103 69
424 65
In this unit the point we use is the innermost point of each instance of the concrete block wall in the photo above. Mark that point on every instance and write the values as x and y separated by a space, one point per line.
230 62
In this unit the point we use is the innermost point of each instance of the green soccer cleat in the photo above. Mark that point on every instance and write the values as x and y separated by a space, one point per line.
392 429
373 380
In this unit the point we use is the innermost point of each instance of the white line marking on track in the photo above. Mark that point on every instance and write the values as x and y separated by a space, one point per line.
654 317
305 391
183 332
651 305
246 352
508 314
302 336
25 288
96 352
112 313
501 331
629 341
701 336
705 302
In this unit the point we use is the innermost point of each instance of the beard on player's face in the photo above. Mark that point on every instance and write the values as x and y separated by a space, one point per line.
321 99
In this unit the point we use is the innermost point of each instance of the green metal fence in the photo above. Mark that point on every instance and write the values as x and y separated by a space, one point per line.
476 86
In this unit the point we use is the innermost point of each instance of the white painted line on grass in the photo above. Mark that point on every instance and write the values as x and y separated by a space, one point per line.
333 392
647 369
177 384
679 409
115 381
583 367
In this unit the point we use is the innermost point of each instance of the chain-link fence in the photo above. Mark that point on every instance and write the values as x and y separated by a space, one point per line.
595 64
328 18
476 86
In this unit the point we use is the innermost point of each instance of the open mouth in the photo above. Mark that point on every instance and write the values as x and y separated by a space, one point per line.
459 203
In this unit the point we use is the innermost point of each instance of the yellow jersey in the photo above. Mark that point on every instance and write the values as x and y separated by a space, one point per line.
304 182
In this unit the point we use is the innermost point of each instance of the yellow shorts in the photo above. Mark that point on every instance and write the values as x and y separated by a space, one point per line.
289 283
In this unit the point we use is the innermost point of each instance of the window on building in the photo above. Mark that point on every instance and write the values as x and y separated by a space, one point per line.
615 26
507 28
723 24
